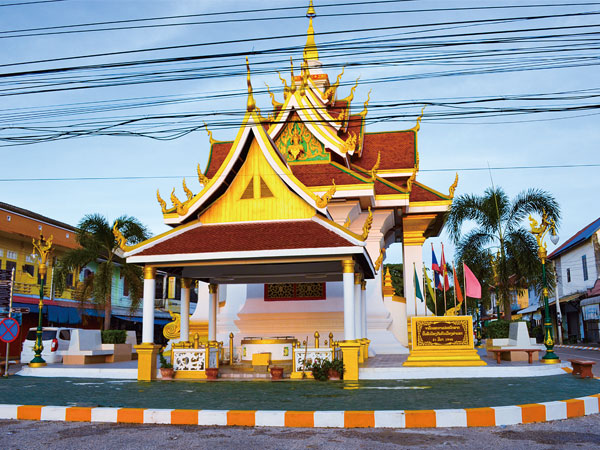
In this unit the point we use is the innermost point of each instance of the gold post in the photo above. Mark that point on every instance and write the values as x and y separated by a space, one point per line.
331 339
316 339
231 349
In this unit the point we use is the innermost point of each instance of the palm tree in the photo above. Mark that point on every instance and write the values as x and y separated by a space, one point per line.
499 249
98 244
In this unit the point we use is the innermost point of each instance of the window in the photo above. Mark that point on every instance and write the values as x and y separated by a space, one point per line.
568 275
69 280
28 268
65 335
125 288
584 264
29 259
11 255
10 265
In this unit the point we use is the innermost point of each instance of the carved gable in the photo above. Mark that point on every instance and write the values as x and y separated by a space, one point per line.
296 143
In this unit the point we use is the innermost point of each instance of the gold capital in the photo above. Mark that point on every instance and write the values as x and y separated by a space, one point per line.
363 285
357 278
348 266
149 273
212 288
186 283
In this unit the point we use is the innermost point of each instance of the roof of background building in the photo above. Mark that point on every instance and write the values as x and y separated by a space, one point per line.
35 216
582 235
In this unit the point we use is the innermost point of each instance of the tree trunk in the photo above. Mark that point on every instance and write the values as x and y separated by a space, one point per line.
107 313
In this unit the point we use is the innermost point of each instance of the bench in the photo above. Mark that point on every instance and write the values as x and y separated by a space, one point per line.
582 367
86 348
499 351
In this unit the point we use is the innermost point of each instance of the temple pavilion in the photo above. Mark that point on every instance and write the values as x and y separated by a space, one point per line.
288 233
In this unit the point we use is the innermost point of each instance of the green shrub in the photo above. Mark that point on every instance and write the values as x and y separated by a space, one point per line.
164 364
114 336
498 329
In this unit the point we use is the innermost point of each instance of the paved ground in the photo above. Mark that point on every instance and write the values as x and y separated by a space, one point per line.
580 433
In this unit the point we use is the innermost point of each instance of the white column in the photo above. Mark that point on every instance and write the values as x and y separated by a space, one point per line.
413 259
184 331
357 308
348 280
212 312
148 305
363 308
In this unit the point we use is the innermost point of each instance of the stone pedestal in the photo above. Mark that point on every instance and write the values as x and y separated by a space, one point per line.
350 350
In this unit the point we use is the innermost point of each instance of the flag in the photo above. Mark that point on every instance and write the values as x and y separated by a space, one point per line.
459 296
434 264
428 284
472 286
445 271
418 292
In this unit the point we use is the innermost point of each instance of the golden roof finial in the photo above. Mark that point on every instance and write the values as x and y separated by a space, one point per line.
363 113
189 194
348 221
453 187
210 135
163 204
274 102
379 259
367 225
202 179
286 89
251 103
293 86
121 240
351 96
375 167
310 49
417 127
411 180
304 82
323 201
331 91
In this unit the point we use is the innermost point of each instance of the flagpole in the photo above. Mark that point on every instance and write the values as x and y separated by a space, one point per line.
465 287
454 269
444 290
415 288
424 293
435 297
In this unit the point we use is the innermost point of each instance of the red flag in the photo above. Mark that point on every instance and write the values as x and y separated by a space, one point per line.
445 271
459 296
472 286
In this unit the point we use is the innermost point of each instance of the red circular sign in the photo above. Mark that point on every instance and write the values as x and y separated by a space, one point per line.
9 329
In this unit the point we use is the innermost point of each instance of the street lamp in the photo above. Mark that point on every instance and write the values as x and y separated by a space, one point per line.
43 248
540 232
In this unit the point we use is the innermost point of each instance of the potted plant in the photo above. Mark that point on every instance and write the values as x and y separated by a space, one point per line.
166 368
336 369
320 369
276 373
212 373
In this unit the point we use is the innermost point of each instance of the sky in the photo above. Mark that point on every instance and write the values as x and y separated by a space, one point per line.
446 144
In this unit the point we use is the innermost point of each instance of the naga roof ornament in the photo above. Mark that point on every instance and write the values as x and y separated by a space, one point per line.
367 225
121 240
417 127
453 186
379 259
363 113
323 201
189 194
161 202
202 179
331 90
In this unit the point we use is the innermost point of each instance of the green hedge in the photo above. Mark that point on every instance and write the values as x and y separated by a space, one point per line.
114 336
498 329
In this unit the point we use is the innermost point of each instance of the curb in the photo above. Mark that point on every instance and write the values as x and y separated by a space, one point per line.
577 347
435 418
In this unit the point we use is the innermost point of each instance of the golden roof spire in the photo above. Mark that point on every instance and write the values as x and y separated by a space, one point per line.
251 103
310 49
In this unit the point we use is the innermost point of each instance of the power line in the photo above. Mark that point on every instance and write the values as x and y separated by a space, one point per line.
30 3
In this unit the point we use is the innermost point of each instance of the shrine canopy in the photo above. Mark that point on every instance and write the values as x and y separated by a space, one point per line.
253 222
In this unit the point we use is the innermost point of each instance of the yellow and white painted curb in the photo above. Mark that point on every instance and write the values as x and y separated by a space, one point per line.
470 417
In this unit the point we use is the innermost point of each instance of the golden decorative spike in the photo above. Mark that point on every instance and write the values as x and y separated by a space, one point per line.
351 96
311 10
411 180
202 179
343 116
417 127
347 222
189 194
331 91
350 143
375 167
44 248
293 86
274 102
174 199
323 201
363 113
417 159
161 202
251 104
286 89
121 241
210 135
181 208
379 260
304 82
367 225
453 187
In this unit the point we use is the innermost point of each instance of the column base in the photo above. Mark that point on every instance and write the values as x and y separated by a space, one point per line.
350 351
147 353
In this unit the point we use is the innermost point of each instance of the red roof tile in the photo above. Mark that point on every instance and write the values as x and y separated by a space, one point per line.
249 237
321 174
397 150
218 153
419 193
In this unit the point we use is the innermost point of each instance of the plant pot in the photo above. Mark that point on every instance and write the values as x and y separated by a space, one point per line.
276 373
167 373
212 373
334 375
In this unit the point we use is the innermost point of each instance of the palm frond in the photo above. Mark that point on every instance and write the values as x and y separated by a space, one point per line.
530 202
133 230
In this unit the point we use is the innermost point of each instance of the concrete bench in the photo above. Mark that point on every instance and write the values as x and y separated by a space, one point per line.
86 348
582 367
498 352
